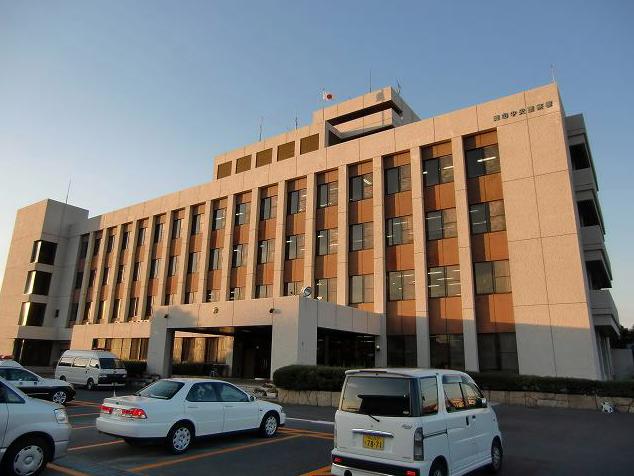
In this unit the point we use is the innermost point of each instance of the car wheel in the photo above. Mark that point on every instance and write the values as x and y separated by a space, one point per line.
180 438
59 396
26 457
497 455
438 469
90 384
269 425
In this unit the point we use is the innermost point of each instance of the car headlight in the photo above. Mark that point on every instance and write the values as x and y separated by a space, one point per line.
61 416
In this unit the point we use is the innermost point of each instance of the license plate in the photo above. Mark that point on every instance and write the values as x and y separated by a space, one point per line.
373 442
116 412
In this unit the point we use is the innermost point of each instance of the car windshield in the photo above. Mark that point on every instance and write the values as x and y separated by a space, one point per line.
163 389
377 396
109 363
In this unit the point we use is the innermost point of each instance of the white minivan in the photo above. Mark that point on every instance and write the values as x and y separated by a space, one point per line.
414 422
91 368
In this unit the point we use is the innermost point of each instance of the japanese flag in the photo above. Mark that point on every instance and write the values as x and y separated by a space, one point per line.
327 96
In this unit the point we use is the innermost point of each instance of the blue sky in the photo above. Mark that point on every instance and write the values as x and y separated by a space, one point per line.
133 99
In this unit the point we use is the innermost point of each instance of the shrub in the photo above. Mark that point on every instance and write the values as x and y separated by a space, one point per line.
135 368
310 377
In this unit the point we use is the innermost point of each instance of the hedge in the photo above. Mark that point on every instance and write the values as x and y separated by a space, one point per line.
135 368
310 377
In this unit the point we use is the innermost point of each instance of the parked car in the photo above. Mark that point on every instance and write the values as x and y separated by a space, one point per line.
91 368
177 410
414 422
32 432
57 391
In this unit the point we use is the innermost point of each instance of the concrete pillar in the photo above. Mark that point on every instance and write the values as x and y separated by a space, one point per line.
165 254
86 277
469 329
127 281
342 235
280 240
227 248
145 271
160 345
294 334
309 232
252 246
114 270
99 275
423 358
181 272
204 262
379 257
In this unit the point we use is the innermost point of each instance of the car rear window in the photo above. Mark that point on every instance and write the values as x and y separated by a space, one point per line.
377 396
109 363
163 389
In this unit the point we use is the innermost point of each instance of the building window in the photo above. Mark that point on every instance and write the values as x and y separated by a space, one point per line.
437 171
215 259
441 224
120 273
100 309
361 236
268 208
125 239
263 291
266 250
239 256
242 213
96 246
482 161
154 268
487 217
190 297
172 266
86 311
293 288
264 157
197 224
498 352
236 294
79 277
327 194
326 289
360 187
361 288
158 232
243 164
116 305
401 285
43 252
32 314
83 247
136 272
149 306
398 179
285 151
134 307
447 351
91 278
398 231
443 281
296 201
110 243
176 228
140 240
492 277
218 222
192 262
104 276
326 242
212 295
38 282
294 247
224 170
169 299
309 144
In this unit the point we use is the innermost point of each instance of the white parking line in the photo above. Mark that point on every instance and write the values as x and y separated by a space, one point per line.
318 422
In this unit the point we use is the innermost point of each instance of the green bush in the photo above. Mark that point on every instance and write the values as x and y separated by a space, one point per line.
135 368
311 377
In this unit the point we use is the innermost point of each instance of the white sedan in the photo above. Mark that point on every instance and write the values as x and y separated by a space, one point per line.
177 410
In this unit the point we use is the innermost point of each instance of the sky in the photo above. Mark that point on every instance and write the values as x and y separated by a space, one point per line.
132 99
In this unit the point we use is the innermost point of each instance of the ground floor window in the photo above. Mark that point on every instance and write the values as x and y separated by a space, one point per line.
401 351
447 351
344 349
498 352
125 349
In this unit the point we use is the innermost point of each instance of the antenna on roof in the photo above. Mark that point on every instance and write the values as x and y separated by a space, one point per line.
295 122
260 134
398 87
370 80
61 221
552 73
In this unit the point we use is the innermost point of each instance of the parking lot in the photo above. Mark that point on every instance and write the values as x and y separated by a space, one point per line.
537 441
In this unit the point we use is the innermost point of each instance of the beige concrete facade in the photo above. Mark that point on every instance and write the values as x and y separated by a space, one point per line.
521 289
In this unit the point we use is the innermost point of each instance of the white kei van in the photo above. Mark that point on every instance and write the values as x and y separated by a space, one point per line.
414 422
91 368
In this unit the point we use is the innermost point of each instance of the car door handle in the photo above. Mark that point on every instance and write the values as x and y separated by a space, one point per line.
229 406
192 406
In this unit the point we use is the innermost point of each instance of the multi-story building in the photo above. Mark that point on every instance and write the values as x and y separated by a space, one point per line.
473 239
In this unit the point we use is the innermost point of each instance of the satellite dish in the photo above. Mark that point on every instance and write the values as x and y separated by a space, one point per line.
307 291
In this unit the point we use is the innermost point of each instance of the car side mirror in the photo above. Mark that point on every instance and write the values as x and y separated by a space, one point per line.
482 402
252 398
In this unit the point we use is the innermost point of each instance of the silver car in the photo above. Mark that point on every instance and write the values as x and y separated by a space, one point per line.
32 432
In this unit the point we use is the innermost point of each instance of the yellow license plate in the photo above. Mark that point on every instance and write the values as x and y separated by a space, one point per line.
373 442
